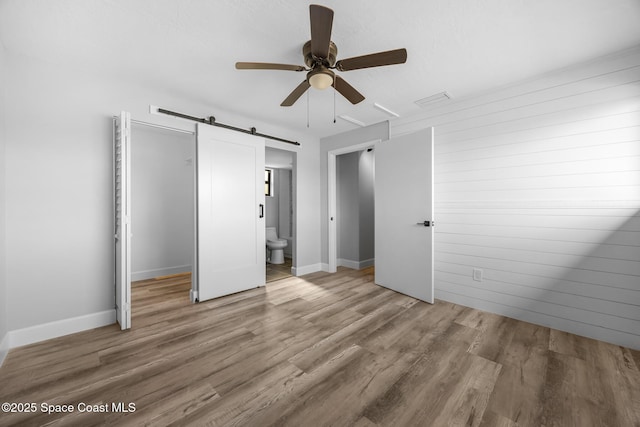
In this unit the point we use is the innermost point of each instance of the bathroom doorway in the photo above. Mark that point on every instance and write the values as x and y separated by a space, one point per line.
162 215
280 220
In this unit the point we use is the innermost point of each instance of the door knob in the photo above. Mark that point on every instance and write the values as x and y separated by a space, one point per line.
426 223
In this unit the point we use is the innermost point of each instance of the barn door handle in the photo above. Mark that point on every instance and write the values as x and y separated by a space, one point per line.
261 210
426 223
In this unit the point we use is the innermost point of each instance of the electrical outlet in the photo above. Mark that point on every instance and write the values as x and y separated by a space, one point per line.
477 275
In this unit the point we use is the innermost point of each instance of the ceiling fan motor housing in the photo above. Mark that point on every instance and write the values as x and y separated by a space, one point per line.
311 61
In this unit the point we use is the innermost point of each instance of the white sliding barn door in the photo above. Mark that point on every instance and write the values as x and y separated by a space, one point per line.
404 214
230 213
122 207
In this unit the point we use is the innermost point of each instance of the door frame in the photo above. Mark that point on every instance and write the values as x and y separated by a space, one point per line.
182 126
188 130
332 201
194 261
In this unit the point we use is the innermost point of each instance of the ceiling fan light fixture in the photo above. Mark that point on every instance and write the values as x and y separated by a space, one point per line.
320 78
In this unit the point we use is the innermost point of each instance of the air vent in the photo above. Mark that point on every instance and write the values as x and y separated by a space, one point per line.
433 99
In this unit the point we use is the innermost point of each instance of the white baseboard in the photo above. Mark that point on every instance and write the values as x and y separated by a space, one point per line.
4 347
348 263
367 263
306 269
356 265
159 272
32 334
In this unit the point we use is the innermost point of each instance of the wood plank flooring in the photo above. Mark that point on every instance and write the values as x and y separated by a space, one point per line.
278 271
321 350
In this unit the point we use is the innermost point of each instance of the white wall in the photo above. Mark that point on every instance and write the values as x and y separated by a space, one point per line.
59 226
162 202
538 185
4 328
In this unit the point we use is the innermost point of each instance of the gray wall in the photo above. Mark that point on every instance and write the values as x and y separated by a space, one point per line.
285 209
366 206
162 200
348 207
285 203
355 209
4 328
538 185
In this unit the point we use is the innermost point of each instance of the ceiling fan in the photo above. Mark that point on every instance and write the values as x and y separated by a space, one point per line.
320 58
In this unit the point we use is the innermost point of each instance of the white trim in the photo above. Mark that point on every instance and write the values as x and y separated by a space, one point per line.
59 328
538 204
306 269
159 272
5 345
332 202
367 263
355 265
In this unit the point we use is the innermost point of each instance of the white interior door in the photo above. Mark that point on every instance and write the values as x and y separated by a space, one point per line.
122 208
404 214
231 224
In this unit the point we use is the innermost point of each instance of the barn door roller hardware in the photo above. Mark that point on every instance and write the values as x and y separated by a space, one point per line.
212 121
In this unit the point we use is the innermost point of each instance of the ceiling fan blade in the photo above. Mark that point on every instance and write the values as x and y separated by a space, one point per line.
268 66
347 90
297 93
321 23
390 57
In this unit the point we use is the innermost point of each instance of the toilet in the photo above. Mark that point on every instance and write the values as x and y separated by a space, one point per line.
276 246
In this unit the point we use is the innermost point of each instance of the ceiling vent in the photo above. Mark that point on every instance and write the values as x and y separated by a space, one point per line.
433 99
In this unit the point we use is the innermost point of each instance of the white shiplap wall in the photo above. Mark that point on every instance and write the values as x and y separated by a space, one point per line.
538 185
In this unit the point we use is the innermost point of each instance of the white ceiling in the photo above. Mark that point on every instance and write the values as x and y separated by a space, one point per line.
189 47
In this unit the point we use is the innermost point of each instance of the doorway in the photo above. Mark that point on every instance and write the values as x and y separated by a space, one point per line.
280 174
355 209
332 176
403 212
162 214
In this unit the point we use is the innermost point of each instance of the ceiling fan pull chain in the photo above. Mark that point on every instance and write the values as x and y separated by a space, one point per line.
307 109
334 99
